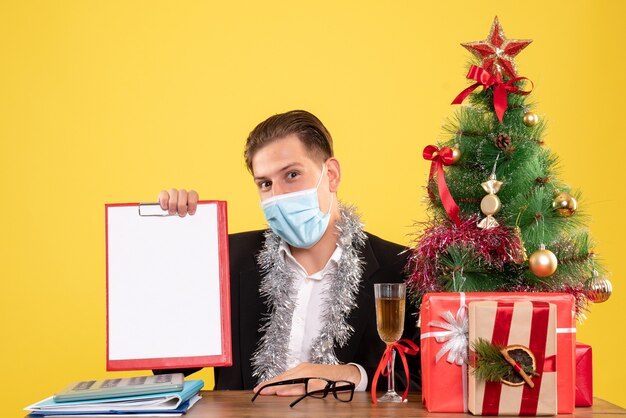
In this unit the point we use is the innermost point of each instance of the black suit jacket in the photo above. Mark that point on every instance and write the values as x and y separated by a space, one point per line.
384 263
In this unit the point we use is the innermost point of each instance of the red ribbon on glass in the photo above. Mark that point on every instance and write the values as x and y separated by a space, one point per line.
439 158
382 369
486 79
538 334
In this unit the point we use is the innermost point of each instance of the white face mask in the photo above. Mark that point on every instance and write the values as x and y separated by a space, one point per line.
296 217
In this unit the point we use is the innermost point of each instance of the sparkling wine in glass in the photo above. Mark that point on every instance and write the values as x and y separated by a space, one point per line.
390 304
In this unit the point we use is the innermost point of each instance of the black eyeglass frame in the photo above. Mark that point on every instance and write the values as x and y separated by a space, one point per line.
331 387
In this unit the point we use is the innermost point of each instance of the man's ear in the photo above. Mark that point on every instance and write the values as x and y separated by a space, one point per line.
334 174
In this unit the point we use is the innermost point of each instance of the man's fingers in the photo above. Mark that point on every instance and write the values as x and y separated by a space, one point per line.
164 199
192 202
286 390
290 390
182 203
272 389
179 202
173 203
267 391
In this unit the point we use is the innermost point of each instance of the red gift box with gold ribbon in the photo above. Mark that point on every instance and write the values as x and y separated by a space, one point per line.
525 327
444 346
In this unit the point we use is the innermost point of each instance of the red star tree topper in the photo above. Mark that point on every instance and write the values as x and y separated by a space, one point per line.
496 52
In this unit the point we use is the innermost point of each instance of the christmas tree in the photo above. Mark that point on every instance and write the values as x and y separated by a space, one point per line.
495 196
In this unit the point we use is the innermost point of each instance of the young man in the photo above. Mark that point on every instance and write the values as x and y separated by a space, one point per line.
302 292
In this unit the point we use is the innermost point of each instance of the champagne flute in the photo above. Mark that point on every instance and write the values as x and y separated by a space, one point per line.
390 305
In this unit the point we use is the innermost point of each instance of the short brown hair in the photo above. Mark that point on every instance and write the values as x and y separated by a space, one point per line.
305 125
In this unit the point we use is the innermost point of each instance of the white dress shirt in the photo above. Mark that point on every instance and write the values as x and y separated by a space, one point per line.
307 320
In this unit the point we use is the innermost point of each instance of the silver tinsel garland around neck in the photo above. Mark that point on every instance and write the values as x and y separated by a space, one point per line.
338 299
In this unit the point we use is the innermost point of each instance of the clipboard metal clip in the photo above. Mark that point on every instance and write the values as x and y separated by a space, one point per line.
151 209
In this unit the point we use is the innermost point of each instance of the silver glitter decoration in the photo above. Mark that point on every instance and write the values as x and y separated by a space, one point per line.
338 300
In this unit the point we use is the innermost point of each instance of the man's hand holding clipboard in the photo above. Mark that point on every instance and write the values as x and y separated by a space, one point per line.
179 202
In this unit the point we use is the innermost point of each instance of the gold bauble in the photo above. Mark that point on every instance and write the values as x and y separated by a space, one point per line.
565 204
599 288
542 263
530 119
456 154
490 205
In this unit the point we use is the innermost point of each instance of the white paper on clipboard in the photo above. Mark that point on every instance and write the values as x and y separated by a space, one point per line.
168 302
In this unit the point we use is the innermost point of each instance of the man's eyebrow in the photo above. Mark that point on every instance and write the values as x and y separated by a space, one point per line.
285 168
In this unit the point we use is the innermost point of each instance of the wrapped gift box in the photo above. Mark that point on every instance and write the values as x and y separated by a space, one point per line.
584 375
531 325
444 327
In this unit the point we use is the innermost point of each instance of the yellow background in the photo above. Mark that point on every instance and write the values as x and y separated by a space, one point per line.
112 101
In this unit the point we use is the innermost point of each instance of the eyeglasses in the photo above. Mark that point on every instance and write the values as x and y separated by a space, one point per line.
342 390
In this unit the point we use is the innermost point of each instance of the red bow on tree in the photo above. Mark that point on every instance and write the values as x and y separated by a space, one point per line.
439 158
487 80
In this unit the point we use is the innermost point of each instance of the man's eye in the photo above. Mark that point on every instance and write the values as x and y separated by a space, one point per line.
264 185
292 175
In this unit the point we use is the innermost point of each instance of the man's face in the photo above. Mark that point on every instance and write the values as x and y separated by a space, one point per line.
285 166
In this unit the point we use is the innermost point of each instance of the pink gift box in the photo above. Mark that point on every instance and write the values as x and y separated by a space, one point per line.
443 355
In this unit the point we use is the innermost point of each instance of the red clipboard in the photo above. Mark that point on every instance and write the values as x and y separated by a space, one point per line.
168 287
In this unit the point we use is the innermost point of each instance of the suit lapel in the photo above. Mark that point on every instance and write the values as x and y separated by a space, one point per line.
362 313
252 310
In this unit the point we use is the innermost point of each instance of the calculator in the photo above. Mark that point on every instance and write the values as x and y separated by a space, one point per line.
114 388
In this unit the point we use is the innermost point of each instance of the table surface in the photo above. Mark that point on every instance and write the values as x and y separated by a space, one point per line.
237 404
